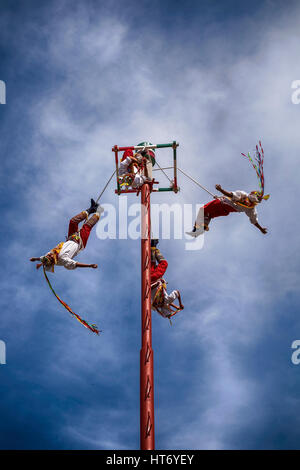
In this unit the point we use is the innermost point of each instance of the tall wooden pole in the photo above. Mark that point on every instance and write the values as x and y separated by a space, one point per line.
147 441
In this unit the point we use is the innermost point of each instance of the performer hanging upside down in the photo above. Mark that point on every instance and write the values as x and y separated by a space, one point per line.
162 302
234 201
135 169
63 254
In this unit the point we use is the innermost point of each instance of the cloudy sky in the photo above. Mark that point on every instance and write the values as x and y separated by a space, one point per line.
82 76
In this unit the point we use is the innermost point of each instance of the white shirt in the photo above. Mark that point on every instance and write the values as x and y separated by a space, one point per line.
168 299
138 179
237 196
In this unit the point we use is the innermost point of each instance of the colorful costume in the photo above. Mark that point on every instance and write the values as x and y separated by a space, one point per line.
236 201
134 173
129 172
63 254
161 300
239 202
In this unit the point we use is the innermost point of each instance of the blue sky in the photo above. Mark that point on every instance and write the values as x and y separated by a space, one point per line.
82 77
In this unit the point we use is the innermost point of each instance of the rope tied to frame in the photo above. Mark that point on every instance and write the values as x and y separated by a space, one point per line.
171 182
185 174
105 187
197 183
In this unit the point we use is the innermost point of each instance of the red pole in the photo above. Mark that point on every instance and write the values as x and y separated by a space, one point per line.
146 354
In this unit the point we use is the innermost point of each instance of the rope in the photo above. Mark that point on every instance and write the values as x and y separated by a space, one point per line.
166 168
105 186
198 184
185 174
93 328
163 171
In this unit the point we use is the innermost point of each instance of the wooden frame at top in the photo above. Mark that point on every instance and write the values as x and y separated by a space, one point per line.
117 149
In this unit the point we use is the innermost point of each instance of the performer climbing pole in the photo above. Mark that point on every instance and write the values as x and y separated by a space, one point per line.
140 181
162 302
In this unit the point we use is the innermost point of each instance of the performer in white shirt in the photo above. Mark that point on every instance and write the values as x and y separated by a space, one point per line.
162 302
232 201
235 201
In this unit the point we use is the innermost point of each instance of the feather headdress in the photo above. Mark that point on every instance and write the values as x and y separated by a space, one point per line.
258 164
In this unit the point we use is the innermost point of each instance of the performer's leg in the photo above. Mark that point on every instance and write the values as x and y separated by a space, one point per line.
216 208
87 227
212 209
200 220
73 224
139 180
166 311
179 300
170 298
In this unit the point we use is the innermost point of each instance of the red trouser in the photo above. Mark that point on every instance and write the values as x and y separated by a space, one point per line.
84 231
216 208
158 271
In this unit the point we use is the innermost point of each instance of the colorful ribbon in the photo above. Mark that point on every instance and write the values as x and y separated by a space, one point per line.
258 165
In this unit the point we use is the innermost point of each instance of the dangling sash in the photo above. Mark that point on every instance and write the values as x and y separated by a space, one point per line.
89 326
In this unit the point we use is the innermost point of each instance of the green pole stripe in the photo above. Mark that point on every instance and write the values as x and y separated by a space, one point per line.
157 146
165 189
164 145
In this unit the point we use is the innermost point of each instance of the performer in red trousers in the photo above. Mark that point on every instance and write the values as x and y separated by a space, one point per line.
232 201
161 300
235 201
63 254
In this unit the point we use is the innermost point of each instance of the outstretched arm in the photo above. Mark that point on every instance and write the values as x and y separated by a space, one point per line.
83 265
226 193
34 259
